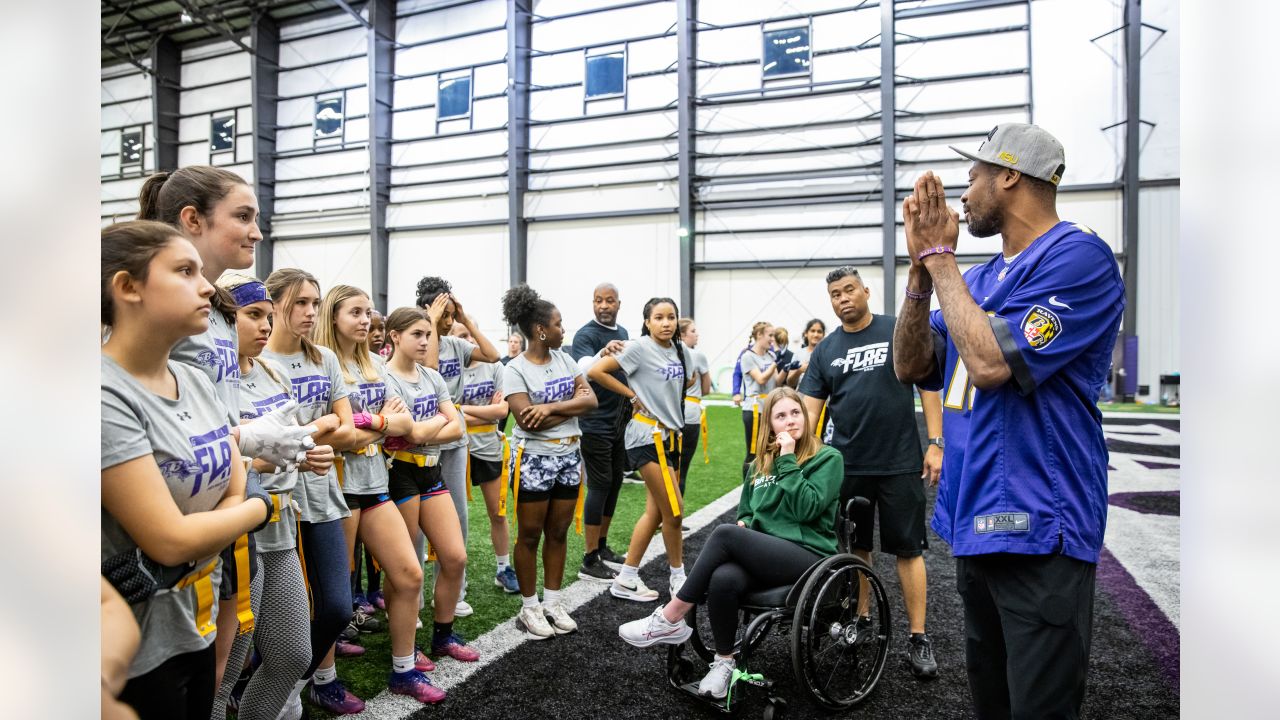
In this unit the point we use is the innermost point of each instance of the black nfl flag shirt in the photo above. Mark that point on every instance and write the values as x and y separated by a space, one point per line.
873 412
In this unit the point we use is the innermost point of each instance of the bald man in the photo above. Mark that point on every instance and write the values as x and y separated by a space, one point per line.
602 448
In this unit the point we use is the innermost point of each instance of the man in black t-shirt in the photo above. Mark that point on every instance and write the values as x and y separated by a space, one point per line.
851 371
603 451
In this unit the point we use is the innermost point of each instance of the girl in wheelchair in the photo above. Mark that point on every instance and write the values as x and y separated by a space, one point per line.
786 523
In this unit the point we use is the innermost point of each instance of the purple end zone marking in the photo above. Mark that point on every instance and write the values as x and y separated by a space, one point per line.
1145 619
1132 500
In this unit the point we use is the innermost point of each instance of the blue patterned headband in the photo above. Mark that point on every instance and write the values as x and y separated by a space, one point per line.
250 293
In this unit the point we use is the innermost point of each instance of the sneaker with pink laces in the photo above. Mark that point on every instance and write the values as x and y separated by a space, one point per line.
421 662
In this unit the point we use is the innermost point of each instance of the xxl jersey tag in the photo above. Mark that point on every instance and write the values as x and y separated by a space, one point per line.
1002 522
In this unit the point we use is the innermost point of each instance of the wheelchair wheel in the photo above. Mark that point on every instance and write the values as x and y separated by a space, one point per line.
837 656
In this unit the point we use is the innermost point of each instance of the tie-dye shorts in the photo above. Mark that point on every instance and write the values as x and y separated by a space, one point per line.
542 474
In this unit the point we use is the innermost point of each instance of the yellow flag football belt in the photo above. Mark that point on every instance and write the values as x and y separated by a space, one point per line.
667 480
702 423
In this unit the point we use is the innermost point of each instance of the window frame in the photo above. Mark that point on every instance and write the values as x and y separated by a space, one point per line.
587 56
337 138
453 76
142 144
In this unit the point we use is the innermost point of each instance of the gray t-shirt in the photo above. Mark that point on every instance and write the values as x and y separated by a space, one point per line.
366 473
260 394
697 368
751 389
215 352
190 440
316 387
455 355
479 384
543 384
422 397
656 375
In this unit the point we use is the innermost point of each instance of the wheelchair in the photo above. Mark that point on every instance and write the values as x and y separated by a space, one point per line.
837 655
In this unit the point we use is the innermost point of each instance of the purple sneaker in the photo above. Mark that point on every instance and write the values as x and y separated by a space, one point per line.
335 698
359 602
344 648
455 647
377 600
415 685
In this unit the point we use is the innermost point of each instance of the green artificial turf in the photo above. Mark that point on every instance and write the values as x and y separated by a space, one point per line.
366 676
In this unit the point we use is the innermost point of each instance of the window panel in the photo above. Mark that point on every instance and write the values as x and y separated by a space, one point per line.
131 147
329 118
222 134
606 75
454 98
786 52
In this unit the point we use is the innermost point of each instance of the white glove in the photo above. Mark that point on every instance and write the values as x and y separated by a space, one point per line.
277 438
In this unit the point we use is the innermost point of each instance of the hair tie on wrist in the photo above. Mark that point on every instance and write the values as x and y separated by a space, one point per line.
935 251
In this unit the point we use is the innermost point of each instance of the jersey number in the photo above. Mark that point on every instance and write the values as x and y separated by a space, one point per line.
960 392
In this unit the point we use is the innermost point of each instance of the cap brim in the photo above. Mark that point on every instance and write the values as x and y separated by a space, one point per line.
969 155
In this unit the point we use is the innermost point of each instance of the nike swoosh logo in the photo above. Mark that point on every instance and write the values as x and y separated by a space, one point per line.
1053 300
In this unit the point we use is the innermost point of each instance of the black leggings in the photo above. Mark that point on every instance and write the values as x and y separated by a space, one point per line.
324 552
689 448
746 431
734 561
181 688
606 459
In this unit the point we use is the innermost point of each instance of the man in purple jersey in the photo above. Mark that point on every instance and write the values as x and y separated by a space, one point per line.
1020 349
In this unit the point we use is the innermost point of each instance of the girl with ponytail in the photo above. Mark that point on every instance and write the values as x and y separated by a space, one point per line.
315 376
546 392
656 369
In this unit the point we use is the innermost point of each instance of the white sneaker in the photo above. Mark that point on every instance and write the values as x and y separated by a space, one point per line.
463 609
654 629
558 618
716 682
632 589
535 623
677 581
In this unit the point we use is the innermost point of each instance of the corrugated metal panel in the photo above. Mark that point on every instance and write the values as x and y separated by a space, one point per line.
1159 299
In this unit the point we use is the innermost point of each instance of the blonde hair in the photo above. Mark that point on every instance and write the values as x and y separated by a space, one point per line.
326 332
231 280
806 447
781 337
758 329
283 286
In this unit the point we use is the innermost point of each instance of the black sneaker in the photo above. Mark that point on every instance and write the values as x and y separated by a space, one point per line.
365 623
594 570
611 558
920 656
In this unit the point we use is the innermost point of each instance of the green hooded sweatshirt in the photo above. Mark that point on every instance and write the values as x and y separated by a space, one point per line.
796 503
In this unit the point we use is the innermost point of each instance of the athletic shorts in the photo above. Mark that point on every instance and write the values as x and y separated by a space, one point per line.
364 502
227 585
638 457
406 479
483 471
548 477
900 499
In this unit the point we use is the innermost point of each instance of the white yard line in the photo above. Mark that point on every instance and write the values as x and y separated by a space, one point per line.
504 638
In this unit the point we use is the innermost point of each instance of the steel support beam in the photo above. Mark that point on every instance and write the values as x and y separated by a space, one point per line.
686 153
1133 76
888 154
382 41
265 80
166 76
519 38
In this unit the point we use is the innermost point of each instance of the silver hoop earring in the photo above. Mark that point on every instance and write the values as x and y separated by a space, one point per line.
542 337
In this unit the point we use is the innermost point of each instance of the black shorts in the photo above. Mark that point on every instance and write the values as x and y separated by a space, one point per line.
227 584
639 456
364 502
483 471
901 502
406 480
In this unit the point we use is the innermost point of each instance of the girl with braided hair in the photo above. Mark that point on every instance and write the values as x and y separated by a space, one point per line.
656 370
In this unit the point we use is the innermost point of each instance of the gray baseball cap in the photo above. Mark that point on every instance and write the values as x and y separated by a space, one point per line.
1029 149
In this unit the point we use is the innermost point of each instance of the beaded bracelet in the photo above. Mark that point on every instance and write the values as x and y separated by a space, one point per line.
935 251
918 296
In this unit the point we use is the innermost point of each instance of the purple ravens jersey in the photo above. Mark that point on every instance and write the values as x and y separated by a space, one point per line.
1025 467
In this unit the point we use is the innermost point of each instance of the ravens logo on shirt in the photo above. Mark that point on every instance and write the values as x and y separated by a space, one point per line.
1040 326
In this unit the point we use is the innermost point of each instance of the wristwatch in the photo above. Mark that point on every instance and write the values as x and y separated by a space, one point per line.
936 441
